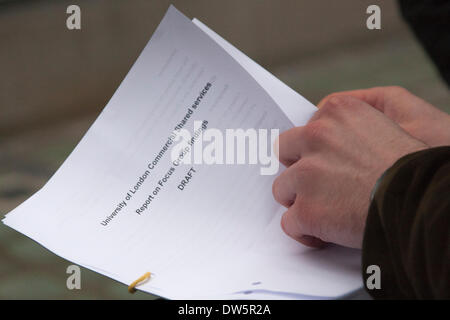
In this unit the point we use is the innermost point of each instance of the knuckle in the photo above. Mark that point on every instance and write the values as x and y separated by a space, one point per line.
315 131
285 137
336 105
296 131
305 169
275 188
337 102
308 165
305 217
325 99
289 224
343 106
397 90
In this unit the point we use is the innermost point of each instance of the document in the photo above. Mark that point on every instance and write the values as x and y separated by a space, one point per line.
138 195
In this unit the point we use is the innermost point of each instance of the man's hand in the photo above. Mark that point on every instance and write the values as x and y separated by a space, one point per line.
419 118
333 163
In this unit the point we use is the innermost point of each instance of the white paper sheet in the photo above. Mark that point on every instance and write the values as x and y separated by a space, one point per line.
221 235
295 107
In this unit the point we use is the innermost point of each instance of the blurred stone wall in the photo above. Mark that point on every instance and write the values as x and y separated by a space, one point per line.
50 74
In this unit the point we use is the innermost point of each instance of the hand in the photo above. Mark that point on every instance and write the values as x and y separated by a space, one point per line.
333 163
419 118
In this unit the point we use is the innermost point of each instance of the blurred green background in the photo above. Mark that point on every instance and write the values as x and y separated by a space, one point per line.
54 82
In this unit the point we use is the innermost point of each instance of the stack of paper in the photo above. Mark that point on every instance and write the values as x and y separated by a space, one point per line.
116 206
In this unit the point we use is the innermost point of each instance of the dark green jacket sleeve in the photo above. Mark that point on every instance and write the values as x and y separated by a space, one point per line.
430 22
408 228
